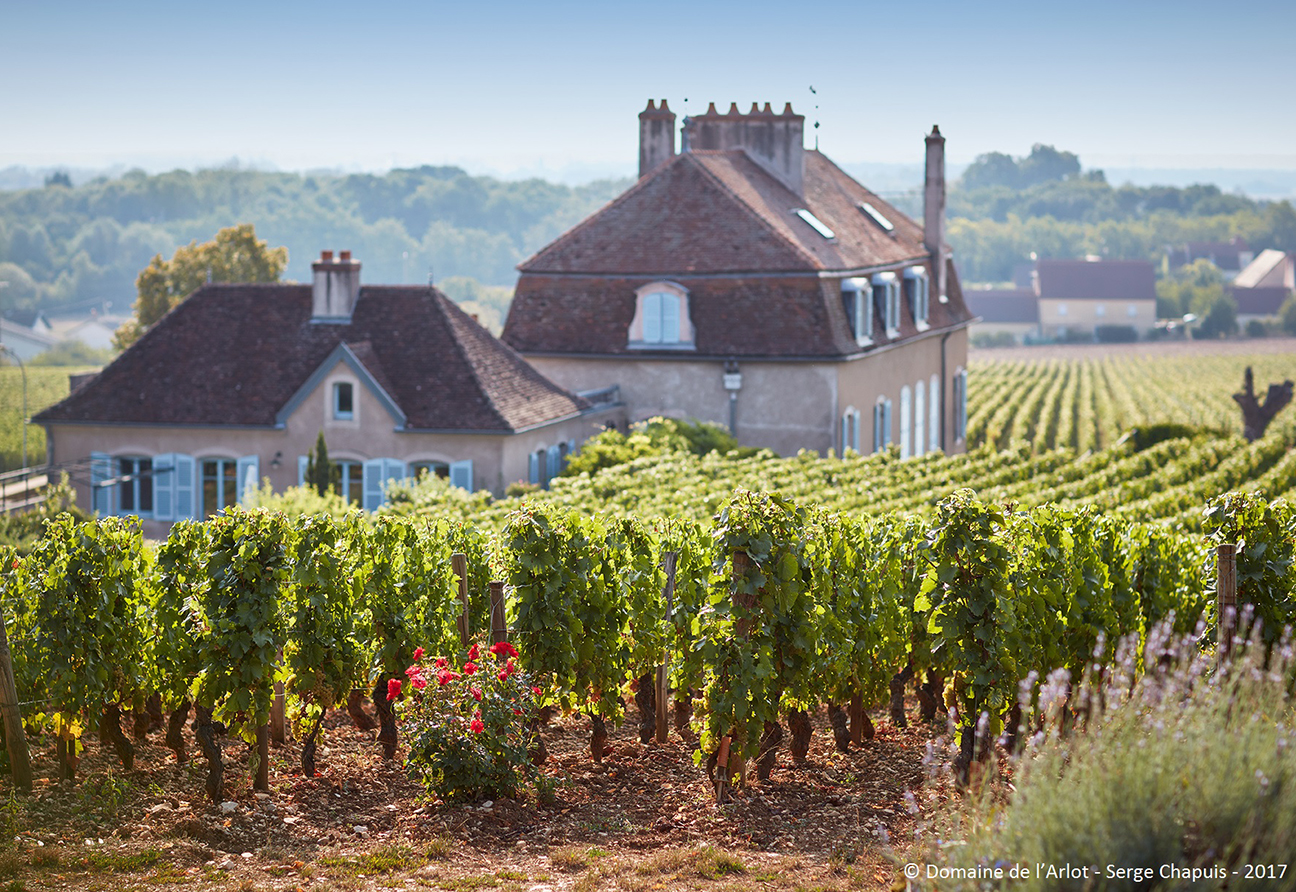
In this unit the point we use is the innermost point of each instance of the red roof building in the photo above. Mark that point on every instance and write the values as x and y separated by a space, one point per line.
748 281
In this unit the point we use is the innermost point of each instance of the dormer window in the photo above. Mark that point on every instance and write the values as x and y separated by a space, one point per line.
886 294
661 320
857 301
916 294
343 401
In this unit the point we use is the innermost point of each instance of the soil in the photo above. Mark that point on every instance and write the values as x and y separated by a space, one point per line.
642 818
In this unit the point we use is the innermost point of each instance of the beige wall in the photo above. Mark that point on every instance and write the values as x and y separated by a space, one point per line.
783 406
1087 314
498 459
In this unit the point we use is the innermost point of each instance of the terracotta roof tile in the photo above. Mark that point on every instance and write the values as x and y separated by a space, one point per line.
1096 280
236 354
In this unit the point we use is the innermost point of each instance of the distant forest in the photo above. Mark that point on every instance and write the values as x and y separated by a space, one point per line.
66 245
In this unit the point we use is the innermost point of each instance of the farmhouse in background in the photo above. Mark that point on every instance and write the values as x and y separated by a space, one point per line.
1080 296
235 384
1263 287
749 282
1011 312
1230 257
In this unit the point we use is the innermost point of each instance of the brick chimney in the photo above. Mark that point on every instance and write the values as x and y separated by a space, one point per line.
335 287
774 141
934 208
656 137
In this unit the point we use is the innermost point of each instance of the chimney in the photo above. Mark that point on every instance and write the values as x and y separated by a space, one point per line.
774 141
335 287
656 137
934 208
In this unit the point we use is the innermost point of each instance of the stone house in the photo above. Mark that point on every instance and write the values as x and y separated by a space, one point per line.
234 385
749 282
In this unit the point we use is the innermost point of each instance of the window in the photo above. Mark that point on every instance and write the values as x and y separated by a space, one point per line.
1131 311
933 414
661 318
850 430
920 418
857 301
1100 310
916 294
343 401
219 485
886 294
881 424
351 481
960 405
1062 309
429 468
906 421
815 223
135 486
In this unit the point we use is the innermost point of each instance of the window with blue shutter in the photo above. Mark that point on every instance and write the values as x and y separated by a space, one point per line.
906 422
373 484
185 505
461 474
886 423
652 318
554 468
164 485
248 469
920 418
933 414
533 469
303 461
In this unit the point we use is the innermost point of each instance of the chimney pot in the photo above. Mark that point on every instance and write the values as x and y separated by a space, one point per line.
663 106
733 109
344 257
755 109
652 106
767 110
711 109
326 256
787 109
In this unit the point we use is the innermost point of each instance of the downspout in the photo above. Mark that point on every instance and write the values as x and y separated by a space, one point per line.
944 389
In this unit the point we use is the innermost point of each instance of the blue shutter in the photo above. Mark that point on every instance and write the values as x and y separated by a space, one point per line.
248 481
533 468
571 450
373 484
461 474
652 319
101 496
302 462
164 486
392 470
670 304
555 463
886 423
933 414
185 508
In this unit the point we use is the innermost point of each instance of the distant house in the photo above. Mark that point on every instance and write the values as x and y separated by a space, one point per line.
1078 296
750 282
235 384
94 330
1011 311
25 341
1231 257
1261 289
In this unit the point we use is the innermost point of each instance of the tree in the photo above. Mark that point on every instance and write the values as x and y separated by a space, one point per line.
1218 313
1288 315
989 170
321 474
1045 163
235 255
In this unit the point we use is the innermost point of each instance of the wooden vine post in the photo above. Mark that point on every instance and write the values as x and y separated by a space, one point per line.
669 561
1226 600
15 736
499 627
728 763
459 563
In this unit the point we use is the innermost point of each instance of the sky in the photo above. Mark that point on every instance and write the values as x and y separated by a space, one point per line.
518 88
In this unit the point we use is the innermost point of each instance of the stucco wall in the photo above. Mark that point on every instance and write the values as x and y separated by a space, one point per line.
1088 314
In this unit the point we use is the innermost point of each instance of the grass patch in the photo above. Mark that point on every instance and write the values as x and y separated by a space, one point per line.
467 884
441 848
712 863
572 859
382 860
123 862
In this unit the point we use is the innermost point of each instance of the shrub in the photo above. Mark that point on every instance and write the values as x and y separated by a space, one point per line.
1115 334
470 727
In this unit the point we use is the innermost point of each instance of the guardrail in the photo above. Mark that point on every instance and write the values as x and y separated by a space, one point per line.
23 489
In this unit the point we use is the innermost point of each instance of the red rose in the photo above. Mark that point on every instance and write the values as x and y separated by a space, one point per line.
393 688
469 668
472 653
536 690
418 654
503 647
477 693
477 725
440 662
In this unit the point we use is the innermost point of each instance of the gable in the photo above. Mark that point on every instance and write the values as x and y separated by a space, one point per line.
342 365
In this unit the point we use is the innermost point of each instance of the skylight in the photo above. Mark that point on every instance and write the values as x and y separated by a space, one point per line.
815 223
877 216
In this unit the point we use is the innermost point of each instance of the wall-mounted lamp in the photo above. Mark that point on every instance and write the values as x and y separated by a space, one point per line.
277 461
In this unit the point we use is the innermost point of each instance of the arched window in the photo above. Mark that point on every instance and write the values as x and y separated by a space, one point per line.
906 421
881 424
920 418
661 320
850 430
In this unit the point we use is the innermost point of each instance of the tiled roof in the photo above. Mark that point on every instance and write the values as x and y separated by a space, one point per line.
741 316
1265 301
720 211
1225 255
1263 267
236 354
1016 305
1096 280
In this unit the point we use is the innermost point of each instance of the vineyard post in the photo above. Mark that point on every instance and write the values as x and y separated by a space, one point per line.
459 563
1226 603
499 630
669 560
278 732
15 737
262 782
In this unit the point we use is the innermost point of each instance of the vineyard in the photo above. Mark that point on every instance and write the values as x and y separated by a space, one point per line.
765 603
45 387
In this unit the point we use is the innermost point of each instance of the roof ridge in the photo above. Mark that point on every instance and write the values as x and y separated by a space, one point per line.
753 212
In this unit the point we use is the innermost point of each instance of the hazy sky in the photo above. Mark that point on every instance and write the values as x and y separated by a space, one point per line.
509 86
